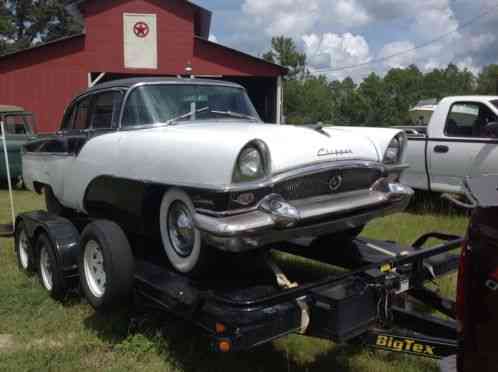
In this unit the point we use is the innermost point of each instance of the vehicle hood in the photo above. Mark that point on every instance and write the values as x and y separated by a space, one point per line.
290 146
204 154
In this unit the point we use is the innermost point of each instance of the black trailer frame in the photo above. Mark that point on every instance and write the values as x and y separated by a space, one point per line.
368 304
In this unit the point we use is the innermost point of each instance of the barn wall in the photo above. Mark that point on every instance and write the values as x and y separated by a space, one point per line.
104 41
44 80
210 58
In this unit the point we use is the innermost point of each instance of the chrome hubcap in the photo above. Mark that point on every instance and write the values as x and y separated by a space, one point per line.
93 266
181 229
23 250
46 269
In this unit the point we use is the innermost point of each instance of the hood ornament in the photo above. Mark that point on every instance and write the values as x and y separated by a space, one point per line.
334 152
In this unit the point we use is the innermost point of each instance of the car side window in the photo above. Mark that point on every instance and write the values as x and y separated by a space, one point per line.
105 110
81 114
468 119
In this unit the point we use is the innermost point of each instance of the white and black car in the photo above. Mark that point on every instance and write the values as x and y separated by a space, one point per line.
189 161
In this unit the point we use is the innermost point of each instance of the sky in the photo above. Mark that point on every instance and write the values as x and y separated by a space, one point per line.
375 34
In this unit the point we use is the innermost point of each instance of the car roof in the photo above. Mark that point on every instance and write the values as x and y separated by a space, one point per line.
130 82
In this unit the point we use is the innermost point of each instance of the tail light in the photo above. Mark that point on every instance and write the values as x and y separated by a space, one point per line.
461 284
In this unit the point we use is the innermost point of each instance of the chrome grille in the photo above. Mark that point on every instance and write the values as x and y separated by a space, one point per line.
319 184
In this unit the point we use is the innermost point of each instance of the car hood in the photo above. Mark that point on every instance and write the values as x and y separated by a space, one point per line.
290 146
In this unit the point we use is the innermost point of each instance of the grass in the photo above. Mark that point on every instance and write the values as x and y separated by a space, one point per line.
37 333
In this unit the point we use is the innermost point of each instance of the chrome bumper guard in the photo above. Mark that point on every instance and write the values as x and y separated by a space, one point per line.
278 220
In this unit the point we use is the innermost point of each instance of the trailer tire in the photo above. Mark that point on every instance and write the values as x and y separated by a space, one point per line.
106 265
49 269
24 252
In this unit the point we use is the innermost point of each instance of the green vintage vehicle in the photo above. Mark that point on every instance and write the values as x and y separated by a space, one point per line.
19 128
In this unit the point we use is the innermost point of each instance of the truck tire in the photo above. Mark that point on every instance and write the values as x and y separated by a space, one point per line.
24 252
53 205
49 269
181 241
106 265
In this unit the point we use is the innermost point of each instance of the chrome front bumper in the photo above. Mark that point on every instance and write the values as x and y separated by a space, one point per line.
277 220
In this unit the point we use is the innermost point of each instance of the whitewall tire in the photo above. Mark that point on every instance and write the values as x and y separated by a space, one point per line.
181 241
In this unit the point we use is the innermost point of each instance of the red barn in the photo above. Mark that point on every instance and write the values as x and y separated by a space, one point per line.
124 38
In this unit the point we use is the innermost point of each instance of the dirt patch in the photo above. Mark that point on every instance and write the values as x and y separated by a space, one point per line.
7 343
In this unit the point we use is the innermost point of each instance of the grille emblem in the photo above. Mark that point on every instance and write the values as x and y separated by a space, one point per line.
335 183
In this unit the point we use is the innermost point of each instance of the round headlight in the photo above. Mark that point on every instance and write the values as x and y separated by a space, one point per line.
250 163
393 153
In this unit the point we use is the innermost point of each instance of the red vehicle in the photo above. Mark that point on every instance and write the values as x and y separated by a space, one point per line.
477 296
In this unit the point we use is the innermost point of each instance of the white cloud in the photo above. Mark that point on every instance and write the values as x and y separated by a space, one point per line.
340 33
296 17
330 51
398 54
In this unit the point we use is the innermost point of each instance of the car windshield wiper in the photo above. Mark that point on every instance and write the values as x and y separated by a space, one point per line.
173 121
234 114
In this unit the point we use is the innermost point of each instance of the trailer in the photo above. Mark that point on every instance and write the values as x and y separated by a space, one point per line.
367 302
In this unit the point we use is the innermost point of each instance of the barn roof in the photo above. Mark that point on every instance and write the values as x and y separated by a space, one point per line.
202 16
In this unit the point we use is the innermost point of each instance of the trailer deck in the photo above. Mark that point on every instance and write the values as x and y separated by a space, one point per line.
366 301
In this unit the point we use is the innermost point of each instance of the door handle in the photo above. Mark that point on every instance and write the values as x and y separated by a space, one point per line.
441 149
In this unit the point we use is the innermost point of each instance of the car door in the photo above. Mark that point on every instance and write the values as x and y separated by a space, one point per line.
464 148
95 116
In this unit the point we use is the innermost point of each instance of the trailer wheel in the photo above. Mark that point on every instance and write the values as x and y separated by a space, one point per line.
49 270
24 251
106 265
181 241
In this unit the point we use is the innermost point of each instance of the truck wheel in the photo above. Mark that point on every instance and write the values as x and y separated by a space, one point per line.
53 205
181 240
106 265
49 270
24 252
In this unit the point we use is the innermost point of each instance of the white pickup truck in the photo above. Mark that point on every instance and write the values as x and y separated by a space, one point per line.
460 140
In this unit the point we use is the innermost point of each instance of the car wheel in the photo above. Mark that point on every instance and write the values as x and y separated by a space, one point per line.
181 241
53 205
106 265
49 271
24 252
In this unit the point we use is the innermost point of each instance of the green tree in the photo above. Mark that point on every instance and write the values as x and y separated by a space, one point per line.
284 52
487 81
24 23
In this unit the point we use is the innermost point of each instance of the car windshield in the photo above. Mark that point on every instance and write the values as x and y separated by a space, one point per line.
18 124
174 103
495 103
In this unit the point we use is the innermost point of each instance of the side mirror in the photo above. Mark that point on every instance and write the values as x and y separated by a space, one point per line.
491 129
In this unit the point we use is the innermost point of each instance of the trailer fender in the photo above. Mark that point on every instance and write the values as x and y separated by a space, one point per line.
63 234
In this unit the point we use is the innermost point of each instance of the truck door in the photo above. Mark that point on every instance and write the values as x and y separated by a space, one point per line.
465 148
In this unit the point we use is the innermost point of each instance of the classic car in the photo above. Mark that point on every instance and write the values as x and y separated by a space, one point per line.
19 126
190 162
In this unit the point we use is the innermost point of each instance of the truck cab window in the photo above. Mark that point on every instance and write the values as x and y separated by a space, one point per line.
468 120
